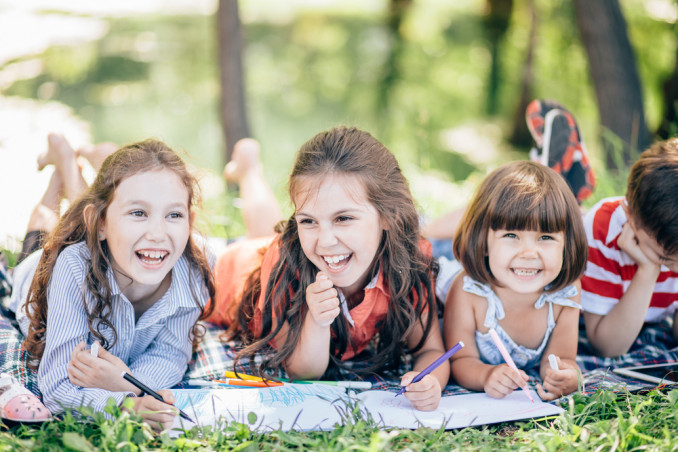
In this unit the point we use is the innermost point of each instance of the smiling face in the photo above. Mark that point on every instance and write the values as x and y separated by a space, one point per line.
339 229
525 261
147 227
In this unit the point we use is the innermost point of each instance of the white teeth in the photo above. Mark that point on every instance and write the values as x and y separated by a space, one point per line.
523 272
152 254
335 259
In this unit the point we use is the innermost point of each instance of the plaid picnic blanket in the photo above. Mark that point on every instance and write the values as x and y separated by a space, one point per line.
213 357
654 345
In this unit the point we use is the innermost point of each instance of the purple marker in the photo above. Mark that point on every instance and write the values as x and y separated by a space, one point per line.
434 365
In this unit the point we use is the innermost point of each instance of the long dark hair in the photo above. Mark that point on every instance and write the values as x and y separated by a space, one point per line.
407 271
72 228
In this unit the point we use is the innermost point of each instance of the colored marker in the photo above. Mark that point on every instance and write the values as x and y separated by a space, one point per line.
198 382
553 361
340 383
346 384
508 359
229 374
434 365
248 383
143 388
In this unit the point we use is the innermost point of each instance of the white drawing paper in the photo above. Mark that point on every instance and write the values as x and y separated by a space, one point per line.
288 407
321 407
457 411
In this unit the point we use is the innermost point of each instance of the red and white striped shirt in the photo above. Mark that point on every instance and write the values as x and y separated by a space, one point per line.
609 270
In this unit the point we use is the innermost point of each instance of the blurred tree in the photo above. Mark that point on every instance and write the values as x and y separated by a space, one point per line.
520 136
396 12
615 77
233 112
669 123
496 23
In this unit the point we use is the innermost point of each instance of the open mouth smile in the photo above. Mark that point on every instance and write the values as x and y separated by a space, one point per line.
525 272
337 262
151 257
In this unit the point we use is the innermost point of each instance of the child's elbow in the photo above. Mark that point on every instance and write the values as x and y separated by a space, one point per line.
606 349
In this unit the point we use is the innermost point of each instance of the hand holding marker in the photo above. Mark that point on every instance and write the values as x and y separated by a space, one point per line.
142 387
553 361
508 359
434 365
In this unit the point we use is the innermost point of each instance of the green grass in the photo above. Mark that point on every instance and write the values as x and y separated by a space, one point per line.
602 421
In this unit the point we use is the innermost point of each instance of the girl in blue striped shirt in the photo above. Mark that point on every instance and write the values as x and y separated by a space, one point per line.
120 270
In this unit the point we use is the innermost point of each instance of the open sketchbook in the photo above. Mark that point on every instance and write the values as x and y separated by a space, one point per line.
320 407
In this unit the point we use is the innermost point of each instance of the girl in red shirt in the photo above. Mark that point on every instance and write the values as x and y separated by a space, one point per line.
348 268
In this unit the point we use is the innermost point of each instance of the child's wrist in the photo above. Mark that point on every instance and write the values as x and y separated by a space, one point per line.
648 270
311 322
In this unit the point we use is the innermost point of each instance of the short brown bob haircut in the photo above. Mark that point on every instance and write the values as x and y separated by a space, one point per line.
652 193
522 196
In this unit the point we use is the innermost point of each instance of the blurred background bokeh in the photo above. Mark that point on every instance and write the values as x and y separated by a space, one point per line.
442 83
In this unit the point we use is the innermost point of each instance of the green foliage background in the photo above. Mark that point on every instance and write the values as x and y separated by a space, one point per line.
155 75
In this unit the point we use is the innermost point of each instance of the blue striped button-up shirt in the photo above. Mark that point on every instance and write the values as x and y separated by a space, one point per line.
156 348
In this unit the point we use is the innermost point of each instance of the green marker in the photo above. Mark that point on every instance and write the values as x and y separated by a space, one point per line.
341 384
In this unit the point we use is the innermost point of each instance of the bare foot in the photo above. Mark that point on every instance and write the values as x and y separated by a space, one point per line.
97 153
58 150
245 158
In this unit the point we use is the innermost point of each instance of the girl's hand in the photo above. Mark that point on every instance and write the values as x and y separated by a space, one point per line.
424 394
101 372
158 415
322 300
558 383
502 381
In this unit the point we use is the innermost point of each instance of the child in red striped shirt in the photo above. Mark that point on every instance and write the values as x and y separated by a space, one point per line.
632 271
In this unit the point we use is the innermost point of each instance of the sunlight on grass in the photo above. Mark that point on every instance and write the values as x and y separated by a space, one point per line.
602 421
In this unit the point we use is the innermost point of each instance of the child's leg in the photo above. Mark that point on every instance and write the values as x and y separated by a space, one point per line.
260 209
559 145
60 154
44 217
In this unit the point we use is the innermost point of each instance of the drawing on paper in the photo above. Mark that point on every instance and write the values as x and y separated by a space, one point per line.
320 407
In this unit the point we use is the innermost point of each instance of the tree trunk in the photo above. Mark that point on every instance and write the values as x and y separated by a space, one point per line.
521 136
391 73
233 114
669 125
615 78
496 24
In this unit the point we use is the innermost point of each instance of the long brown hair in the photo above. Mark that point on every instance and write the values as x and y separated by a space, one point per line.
522 196
72 228
407 271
